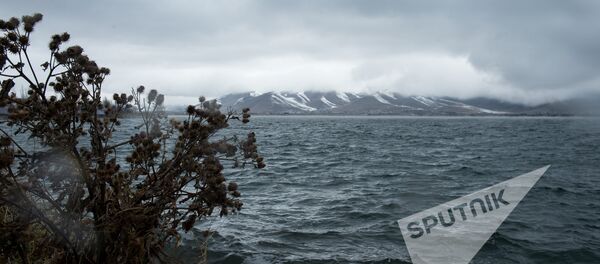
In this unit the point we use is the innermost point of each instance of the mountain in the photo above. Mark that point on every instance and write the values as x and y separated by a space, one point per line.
392 104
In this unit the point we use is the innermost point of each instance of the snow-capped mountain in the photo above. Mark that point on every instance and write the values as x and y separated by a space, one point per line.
353 103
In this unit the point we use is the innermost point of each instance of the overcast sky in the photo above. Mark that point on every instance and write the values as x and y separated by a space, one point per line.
525 51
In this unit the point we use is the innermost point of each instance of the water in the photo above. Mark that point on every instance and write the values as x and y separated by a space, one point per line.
335 186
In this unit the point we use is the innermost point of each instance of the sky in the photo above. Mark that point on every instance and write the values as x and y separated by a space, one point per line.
520 51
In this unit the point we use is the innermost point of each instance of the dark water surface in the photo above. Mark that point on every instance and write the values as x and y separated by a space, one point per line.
335 186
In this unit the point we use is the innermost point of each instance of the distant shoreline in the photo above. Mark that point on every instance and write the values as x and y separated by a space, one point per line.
403 116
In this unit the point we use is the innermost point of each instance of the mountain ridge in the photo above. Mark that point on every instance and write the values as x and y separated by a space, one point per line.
384 103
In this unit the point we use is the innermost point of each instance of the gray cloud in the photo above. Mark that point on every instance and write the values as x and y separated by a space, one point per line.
527 51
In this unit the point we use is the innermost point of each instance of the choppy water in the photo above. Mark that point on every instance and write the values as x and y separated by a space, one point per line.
335 186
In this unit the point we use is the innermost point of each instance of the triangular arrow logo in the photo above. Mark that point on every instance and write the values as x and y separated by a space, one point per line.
455 231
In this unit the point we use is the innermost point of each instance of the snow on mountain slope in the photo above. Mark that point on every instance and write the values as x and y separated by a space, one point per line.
282 99
327 102
303 97
388 94
343 96
424 100
474 108
380 99
353 103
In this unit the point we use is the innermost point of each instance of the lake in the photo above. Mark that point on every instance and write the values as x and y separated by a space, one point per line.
334 188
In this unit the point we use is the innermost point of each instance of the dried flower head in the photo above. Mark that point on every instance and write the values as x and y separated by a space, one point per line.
28 27
160 99
74 51
14 23
24 40
152 95
9 26
64 37
53 45
12 36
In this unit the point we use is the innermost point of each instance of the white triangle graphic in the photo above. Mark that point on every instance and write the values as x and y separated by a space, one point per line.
453 232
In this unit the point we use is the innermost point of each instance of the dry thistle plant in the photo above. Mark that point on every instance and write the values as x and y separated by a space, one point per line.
75 200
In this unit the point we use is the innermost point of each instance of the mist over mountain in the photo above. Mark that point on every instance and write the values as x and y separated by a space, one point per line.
382 103
518 51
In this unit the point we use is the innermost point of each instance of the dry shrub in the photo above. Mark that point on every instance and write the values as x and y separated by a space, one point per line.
75 200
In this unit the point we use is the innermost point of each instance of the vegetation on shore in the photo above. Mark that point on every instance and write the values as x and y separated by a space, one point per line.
84 197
